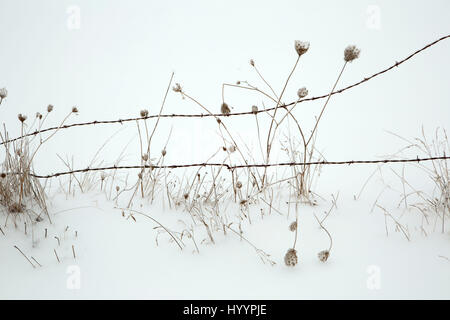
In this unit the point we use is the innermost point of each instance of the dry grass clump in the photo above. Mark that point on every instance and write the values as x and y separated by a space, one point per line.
433 205
21 194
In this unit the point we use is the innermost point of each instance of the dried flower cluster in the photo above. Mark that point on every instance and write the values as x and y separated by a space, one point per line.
351 53
323 255
3 93
224 109
177 88
291 259
302 92
144 113
22 117
293 226
301 47
49 108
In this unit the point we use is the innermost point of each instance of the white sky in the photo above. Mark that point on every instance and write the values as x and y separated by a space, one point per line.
120 59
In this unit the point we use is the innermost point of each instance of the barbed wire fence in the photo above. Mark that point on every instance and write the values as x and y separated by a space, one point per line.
231 167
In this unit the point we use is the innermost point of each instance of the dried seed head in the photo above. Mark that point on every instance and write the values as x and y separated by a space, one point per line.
38 115
238 184
164 152
140 176
22 117
117 188
232 148
323 255
49 108
144 113
243 202
351 53
177 88
238 82
16 208
145 157
290 259
103 176
186 196
293 226
75 110
252 62
224 108
302 92
219 121
3 93
254 109
3 175
301 47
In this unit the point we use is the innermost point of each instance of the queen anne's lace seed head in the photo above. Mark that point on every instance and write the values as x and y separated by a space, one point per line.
351 53
302 92
323 255
144 113
3 93
293 226
22 117
225 109
301 46
290 259
177 88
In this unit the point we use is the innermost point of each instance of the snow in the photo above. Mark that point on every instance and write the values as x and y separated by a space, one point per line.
118 258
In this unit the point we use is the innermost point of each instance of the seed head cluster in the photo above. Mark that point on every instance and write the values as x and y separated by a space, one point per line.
351 53
323 255
301 47
291 259
302 92
144 113
225 109
3 93
293 226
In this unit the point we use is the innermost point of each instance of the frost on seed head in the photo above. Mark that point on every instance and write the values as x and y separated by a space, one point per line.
302 92
224 109
351 53
177 88
144 113
3 93
301 47
291 259
293 226
22 117
323 255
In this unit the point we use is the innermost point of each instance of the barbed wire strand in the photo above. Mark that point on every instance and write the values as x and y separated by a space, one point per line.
233 167
121 121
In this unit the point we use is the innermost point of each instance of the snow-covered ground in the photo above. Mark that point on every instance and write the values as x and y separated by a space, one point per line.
117 257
